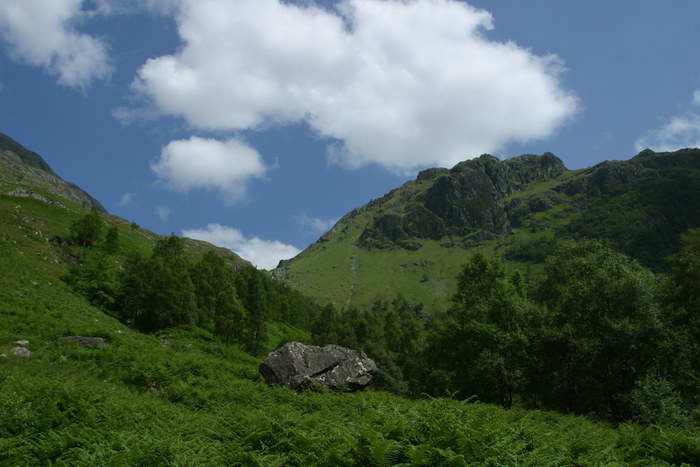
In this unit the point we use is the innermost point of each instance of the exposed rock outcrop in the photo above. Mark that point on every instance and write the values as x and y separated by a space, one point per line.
294 364
92 342
21 352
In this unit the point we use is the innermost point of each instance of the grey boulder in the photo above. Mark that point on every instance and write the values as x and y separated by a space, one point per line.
294 364
91 342
21 352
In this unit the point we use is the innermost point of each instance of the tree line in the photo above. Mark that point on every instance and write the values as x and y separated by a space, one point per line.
166 289
596 333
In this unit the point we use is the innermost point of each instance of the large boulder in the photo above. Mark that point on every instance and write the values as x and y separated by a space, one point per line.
332 366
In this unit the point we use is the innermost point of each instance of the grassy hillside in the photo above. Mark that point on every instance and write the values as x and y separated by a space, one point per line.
180 397
413 240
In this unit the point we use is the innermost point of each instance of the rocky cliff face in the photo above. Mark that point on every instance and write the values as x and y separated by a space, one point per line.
468 200
414 239
21 167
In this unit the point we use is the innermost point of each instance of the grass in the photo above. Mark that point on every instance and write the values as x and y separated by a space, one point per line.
173 406
181 397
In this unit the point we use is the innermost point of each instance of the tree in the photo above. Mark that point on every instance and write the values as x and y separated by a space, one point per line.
683 301
95 279
157 292
255 299
602 330
112 239
87 230
219 308
480 346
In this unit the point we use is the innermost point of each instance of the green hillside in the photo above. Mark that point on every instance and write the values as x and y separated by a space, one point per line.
184 396
413 240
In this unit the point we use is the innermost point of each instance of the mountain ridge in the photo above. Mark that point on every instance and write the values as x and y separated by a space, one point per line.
413 239
13 152
25 174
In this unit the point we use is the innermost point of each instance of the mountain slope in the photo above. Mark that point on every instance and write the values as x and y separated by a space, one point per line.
26 168
25 177
413 240
182 397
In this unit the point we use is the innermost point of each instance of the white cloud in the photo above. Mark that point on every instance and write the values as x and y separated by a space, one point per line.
43 34
127 199
681 131
316 225
208 163
163 212
400 83
264 254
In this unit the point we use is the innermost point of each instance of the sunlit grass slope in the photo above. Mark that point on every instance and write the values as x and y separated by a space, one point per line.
181 397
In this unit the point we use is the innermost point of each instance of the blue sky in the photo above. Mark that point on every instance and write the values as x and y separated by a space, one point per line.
256 124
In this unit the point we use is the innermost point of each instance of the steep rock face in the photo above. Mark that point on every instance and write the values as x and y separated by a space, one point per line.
331 366
466 201
406 241
470 197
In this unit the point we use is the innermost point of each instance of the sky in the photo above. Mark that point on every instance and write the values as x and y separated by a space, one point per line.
257 124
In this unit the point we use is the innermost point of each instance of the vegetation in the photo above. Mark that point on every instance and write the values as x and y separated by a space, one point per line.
417 237
596 334
590 359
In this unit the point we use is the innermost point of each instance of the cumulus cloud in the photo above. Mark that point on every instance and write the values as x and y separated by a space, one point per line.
264 254
400 83
314 224
43 34
127 199
210 164
681 131
163 212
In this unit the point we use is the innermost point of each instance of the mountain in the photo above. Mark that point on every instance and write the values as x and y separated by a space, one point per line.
413 240
25 174
27 169
79 387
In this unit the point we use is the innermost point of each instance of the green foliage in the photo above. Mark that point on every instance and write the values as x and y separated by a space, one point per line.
87 230
196 401
182 396
518 209
654 401
95 278
482 342
603 329
391 333
157 292
112 239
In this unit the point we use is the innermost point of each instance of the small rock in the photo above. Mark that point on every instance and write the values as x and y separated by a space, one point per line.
23 342
3 356
166 342
91 342
21 352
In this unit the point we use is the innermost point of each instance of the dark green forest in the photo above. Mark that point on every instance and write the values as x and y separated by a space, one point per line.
166 289
596 334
